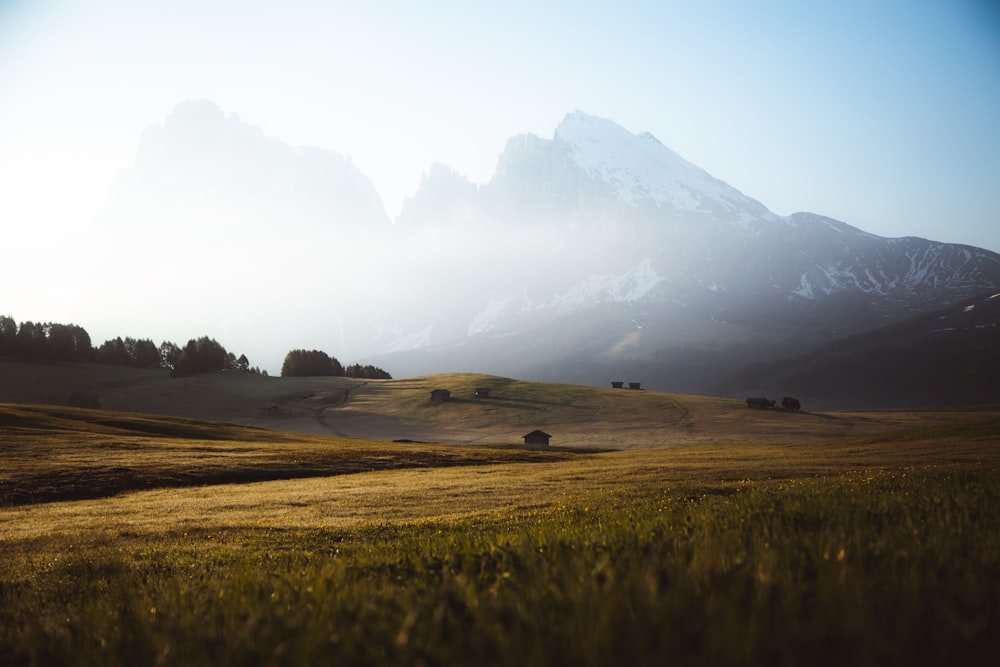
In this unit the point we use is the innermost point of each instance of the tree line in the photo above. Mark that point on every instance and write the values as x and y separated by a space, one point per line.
38 341
306 363
30 341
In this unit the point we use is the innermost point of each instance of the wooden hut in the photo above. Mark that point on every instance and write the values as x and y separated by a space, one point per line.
440 396
635 385
617 384
537 437
482 392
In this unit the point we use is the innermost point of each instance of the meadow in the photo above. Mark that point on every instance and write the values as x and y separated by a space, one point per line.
175 541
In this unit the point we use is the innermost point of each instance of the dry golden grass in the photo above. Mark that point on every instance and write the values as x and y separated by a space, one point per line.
723 535
56 453
394 482
122 471
580 416
576 416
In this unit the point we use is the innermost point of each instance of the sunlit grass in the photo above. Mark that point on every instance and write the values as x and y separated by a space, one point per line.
873 549
54 453
863 568
602 417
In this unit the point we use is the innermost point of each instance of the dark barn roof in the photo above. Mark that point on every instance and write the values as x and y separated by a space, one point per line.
440 395
536 437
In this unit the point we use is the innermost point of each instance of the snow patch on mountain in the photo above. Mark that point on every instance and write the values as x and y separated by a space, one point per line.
805 289
890 268
715 287
628 287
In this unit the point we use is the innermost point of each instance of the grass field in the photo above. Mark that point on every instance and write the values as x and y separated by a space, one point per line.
867 538
576 416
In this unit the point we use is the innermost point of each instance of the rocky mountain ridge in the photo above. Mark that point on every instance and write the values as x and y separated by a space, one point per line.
623 219
588 253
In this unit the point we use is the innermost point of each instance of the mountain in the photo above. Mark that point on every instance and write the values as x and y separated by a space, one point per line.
603 252
219 228
593 169
593 255
201 157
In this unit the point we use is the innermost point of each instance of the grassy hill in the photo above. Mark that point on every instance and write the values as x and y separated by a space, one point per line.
745 537
61 453
576 416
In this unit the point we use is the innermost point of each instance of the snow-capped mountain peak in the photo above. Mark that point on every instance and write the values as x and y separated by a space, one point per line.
642 170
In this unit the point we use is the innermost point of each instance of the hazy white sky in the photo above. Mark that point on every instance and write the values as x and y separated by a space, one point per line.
883 114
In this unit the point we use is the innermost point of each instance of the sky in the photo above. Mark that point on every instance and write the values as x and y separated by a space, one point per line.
882 114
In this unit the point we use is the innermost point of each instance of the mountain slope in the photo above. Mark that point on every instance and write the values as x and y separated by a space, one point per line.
626 252
220 228
946 357
576 416
199 157
592 253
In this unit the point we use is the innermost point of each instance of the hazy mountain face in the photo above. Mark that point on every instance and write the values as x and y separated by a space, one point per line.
607 249
594 253
200 156
219 229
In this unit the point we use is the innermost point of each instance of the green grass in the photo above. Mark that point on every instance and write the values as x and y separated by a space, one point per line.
187 542
864 568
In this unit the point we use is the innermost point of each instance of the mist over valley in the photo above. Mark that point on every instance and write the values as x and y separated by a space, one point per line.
588 257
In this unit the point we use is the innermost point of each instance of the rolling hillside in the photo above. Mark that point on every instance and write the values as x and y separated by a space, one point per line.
576 416
130 537
55 453
947 357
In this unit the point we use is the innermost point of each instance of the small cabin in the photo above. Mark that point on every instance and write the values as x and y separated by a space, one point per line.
482 392
537 437
759 402
617 385
635 385
440 396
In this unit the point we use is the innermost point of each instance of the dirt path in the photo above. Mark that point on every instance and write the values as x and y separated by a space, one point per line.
320 413
307 412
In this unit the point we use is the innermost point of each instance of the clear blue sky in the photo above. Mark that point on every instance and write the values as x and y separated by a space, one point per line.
883 114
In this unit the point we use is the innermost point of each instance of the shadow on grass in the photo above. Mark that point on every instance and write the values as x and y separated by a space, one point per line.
91 482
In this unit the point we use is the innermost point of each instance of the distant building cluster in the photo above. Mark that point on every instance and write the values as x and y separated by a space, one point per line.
618 384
